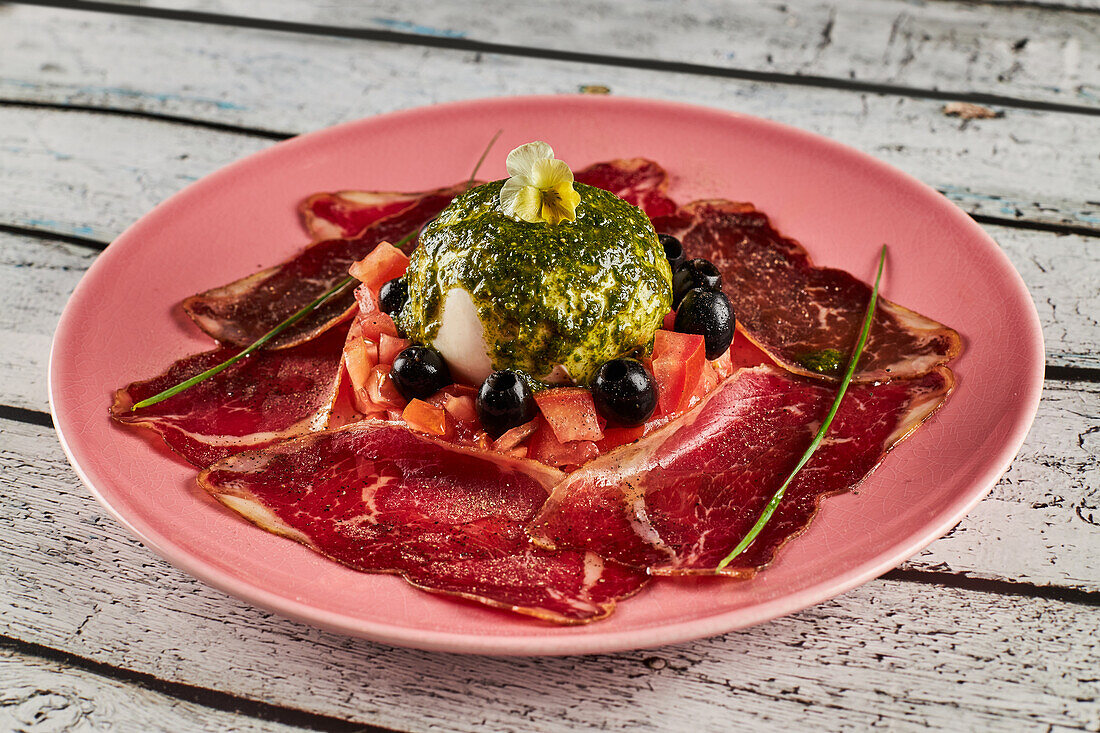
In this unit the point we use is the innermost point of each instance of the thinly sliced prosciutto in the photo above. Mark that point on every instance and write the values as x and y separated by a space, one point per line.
805 317
240 312
264 398
345 214
381 498
679 500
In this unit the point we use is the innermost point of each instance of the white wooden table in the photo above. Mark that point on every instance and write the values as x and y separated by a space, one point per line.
107 109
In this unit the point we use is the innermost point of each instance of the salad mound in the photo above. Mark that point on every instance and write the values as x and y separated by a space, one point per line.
574 294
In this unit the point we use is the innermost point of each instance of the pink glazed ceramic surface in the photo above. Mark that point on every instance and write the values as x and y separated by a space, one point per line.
123 323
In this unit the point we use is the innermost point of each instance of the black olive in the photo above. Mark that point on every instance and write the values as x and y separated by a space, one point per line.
504 402
708 313
698 273
392 296
419 372
674 251
624 392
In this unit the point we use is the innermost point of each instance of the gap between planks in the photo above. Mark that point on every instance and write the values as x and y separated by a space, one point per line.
204 696
472 46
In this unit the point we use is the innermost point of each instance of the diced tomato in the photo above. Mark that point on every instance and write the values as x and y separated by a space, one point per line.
384 263
678 360
670 321
461 408
544 446
613 437
382 391
389 347
509 439
426 418
518 452
363 405
571 413
375 324
708 380
360 356
368 302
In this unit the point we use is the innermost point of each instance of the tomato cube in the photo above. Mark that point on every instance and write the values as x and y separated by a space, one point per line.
514 436
461 408
678 360
360 356
571 413
426 418
382 264
389 347
375 324
382 391
544 446
615 436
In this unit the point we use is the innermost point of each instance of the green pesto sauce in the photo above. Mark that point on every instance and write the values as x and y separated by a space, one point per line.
577 293
826 361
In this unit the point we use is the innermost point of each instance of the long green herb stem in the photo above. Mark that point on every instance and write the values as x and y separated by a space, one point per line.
484 155
254 346
297 316
259 343
773 503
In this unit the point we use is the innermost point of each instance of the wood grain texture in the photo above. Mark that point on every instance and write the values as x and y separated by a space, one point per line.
1015 51
888 653
40 696
1026 165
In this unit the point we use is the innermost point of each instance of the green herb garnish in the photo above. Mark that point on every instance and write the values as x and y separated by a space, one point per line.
825 361
299 315
773 503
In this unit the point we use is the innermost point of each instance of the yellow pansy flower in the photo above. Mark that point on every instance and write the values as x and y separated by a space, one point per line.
540 189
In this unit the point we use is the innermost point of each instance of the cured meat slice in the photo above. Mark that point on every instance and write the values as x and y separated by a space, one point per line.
638 180
341 215
679 500
381 498
264 398
805 317
344 214
239 313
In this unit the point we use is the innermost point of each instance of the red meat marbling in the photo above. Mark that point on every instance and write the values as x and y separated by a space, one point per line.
380 498
267 397
239 313
638 180
345 214
797 312
680 499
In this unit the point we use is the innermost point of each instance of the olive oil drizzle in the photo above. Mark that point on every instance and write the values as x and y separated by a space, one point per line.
773 503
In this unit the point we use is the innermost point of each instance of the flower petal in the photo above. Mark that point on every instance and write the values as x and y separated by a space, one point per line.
560 203
547 174
521 161
521 202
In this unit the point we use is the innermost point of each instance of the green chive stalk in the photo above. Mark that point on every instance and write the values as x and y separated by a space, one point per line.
773 503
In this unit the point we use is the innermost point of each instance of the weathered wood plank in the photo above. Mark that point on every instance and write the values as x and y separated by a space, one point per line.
1015 51
888 653
40 695
1026 165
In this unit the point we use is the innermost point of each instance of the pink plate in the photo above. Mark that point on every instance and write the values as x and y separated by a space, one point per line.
123 323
